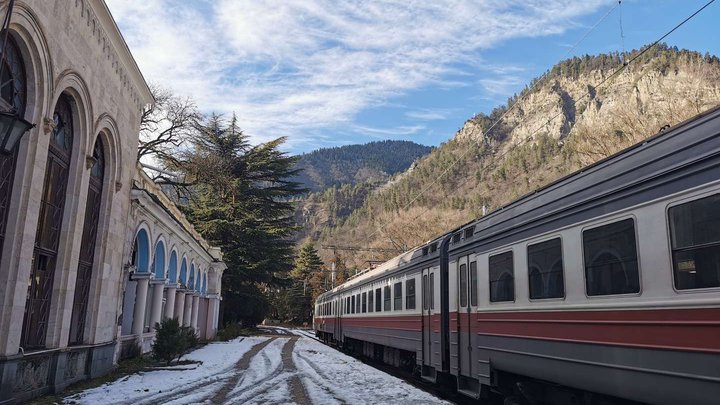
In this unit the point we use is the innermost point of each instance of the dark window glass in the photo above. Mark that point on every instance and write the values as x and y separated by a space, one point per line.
370 301
378 300
463 285
695 238
357 303
347 305
387 298
473 284
469 232
426 301
352 303
364 302
545 269
433 247
502 277
611 264
410 294
432 290
456 238
397 295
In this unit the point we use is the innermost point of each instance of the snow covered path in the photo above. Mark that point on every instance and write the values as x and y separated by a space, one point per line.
289 368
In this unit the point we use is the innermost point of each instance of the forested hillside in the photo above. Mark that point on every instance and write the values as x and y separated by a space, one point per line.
563 121
370 163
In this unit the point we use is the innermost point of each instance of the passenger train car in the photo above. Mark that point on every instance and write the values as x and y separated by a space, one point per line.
602 285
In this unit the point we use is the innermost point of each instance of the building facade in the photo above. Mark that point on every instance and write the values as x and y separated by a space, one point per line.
87 242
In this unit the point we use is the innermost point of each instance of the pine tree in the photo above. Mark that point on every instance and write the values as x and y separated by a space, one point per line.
240 200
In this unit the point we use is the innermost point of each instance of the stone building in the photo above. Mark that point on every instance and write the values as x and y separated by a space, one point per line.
91 252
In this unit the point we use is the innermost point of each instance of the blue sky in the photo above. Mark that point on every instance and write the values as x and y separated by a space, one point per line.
328 73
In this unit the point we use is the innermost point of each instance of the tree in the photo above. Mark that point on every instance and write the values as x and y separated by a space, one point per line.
239 199
165 125
307 262
172 341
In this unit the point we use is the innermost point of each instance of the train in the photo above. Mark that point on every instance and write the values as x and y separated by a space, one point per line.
601 287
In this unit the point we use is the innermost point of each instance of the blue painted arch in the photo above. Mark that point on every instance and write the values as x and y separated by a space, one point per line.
159 260
172 267
141 252
203 289
183 272
191 282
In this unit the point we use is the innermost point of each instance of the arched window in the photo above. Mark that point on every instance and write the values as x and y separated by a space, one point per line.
183 272
12 97
141 252
191 281
89 240
204 283
159 260
47 238
172 268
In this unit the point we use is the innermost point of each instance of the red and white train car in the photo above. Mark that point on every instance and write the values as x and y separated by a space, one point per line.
603 285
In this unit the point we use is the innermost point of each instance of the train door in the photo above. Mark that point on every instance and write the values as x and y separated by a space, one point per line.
429 337
463 317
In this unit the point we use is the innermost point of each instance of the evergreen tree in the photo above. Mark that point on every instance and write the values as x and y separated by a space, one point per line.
240 201
307 262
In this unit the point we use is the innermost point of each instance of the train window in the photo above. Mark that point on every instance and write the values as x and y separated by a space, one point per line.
611 263
410 294
378 300
357 302
695 239
426 301
387 299
352 304
473 284
364 302
397 295
463 285
545 269
432 290
347 305
502 277
370 301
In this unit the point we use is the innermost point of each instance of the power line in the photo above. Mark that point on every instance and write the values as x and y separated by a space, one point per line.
487 131
622 67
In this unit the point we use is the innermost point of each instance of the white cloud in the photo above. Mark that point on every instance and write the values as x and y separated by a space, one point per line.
295 67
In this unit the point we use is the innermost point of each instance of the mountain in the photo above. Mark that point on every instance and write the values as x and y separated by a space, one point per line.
580 111
374 162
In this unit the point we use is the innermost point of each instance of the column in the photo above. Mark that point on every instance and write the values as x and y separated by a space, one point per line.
156 309
170 301
195 310
187 317
213 311
143 279
180 305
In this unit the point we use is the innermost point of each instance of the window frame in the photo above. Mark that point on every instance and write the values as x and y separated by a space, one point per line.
604 222
668 239
496 253
387 298
547 238
395 298
378 299
363 302
414 294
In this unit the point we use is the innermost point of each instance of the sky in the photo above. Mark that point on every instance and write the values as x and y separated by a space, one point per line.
327 73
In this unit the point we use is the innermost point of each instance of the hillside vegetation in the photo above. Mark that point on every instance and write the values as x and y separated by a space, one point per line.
352 164
561 123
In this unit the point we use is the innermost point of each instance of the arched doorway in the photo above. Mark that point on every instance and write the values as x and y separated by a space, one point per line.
87 249
12 98
47 238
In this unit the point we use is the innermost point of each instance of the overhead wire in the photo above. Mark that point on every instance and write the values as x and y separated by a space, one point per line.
487 131
622 67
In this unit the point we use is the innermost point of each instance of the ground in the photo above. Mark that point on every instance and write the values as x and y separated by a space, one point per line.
289 367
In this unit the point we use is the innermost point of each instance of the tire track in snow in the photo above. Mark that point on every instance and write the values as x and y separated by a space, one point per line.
240 367
321 379
285 374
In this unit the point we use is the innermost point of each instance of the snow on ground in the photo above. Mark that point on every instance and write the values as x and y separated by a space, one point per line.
330 376
291 368
217 360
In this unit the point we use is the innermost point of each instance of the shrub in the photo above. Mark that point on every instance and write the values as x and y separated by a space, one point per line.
172 341
230 331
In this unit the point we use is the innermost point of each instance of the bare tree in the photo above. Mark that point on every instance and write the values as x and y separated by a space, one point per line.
165 125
